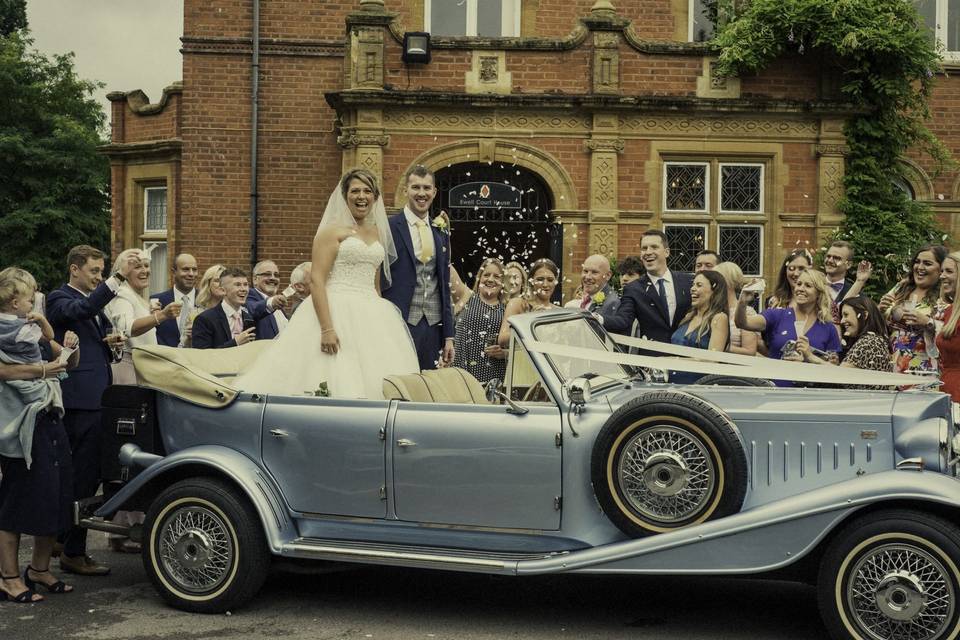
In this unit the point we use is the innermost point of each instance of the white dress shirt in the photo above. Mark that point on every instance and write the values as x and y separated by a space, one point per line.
667 278
412 220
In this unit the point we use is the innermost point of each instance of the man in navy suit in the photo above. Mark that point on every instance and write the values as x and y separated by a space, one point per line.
264 303
836 264
78 306
184 280
229 324
658 300
420 278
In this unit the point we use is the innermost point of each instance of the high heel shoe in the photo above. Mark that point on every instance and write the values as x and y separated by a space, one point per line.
57 587
24 597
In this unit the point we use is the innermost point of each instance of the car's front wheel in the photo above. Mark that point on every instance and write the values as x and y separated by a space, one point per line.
204 547
892 575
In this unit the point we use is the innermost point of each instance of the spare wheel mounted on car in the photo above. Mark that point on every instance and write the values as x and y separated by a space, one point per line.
667 460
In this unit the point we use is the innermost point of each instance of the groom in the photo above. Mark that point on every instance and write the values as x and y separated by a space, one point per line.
420 277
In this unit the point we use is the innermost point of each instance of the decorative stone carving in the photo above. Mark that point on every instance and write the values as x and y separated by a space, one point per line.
489 73
606 62
710 85
462 122
831 150
354 140
366 58
830 178
603 186
605 144
603 239
682 126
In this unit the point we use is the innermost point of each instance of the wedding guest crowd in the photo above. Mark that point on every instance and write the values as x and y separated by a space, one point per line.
97 320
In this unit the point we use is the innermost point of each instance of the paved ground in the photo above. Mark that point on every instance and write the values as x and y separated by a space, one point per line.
410 604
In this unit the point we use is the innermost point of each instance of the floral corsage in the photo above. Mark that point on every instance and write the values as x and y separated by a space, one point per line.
442 223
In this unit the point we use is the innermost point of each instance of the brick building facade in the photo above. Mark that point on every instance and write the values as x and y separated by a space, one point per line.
608 119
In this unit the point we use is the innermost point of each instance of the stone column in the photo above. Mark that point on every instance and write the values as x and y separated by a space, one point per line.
363 143
604 214
363 64
831 168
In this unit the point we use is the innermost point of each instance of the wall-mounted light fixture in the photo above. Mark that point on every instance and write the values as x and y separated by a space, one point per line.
416 47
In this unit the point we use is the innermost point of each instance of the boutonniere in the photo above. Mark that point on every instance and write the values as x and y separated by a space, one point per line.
442 223
322 390
598 298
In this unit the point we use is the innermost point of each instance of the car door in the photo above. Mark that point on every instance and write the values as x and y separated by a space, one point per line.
477 465
327 454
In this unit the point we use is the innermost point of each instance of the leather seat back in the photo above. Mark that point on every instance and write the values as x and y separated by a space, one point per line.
449 385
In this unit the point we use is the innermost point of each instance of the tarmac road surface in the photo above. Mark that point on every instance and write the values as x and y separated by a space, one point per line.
392 603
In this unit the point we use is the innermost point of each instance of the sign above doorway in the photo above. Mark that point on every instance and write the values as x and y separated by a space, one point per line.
487 195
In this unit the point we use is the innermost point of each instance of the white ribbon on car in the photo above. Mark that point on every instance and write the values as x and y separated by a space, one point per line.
729 364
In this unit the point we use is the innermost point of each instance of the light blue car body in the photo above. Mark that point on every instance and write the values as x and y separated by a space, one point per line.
483 489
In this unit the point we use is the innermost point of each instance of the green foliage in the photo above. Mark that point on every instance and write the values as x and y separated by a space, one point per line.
13 16
886 60
54 191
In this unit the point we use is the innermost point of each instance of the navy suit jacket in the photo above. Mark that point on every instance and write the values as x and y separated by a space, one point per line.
403 272
641 302
168 331
211 329
257 307
70 310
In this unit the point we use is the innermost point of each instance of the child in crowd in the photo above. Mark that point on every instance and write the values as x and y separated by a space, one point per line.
35 460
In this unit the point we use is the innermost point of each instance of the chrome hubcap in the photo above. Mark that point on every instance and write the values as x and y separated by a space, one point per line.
195 549
666 474
901 591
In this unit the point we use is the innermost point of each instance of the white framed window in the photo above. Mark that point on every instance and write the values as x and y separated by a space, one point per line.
686 186
942 19
686 241
157 251
702 20
484 18
743 245
155 210
741 187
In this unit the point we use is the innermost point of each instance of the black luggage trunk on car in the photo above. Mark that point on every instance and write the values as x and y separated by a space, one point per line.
129 415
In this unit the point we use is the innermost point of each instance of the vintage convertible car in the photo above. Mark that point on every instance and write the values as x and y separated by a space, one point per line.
583 460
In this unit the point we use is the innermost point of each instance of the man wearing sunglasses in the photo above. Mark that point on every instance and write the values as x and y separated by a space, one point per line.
263 301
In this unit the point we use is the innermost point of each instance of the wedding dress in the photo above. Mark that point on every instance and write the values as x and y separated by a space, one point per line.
374 339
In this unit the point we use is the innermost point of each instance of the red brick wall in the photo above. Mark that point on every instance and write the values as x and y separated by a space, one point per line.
800 193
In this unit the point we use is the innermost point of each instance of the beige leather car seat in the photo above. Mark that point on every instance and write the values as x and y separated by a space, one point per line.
441 385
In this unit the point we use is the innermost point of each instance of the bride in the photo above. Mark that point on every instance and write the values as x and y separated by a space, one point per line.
351 338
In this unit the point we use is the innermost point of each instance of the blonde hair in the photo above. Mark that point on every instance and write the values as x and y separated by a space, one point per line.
491 262
951 325
822 304
204 295
524 280
15 282
733 274
142 256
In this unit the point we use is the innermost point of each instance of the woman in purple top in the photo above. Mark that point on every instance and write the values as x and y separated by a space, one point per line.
808 315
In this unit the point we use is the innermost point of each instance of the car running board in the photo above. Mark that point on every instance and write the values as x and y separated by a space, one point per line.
411 556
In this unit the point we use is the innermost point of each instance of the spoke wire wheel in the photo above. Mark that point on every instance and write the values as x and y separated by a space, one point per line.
665 473
194 547
898 586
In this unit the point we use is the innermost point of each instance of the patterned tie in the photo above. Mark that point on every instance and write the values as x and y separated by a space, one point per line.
184 312
426 246
837 286
236 324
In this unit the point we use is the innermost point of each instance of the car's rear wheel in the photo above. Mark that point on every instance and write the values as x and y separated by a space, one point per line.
204 547
667 460
892 575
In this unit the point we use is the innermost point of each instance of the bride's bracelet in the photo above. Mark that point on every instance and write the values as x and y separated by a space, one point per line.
323 331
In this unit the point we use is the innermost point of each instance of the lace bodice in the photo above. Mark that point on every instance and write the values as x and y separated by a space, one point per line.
356 266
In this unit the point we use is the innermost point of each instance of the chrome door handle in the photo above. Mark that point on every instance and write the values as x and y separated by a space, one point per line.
403 442
279 433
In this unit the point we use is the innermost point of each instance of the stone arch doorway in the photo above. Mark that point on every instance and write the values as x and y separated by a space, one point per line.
498 210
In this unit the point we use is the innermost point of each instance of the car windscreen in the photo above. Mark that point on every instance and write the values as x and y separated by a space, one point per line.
578 332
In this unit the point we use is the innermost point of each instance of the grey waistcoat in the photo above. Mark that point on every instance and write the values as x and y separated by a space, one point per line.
426 296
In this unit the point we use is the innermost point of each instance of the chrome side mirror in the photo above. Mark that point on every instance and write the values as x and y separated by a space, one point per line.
493 394
580 394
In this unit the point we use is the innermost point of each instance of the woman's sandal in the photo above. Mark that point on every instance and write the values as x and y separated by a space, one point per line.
24 597
57 587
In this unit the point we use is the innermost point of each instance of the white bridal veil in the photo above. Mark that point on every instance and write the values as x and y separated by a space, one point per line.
338 213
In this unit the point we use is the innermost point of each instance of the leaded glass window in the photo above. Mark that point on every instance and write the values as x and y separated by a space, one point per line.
686 241
703 19
741 188
155 210
685 186
742 244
